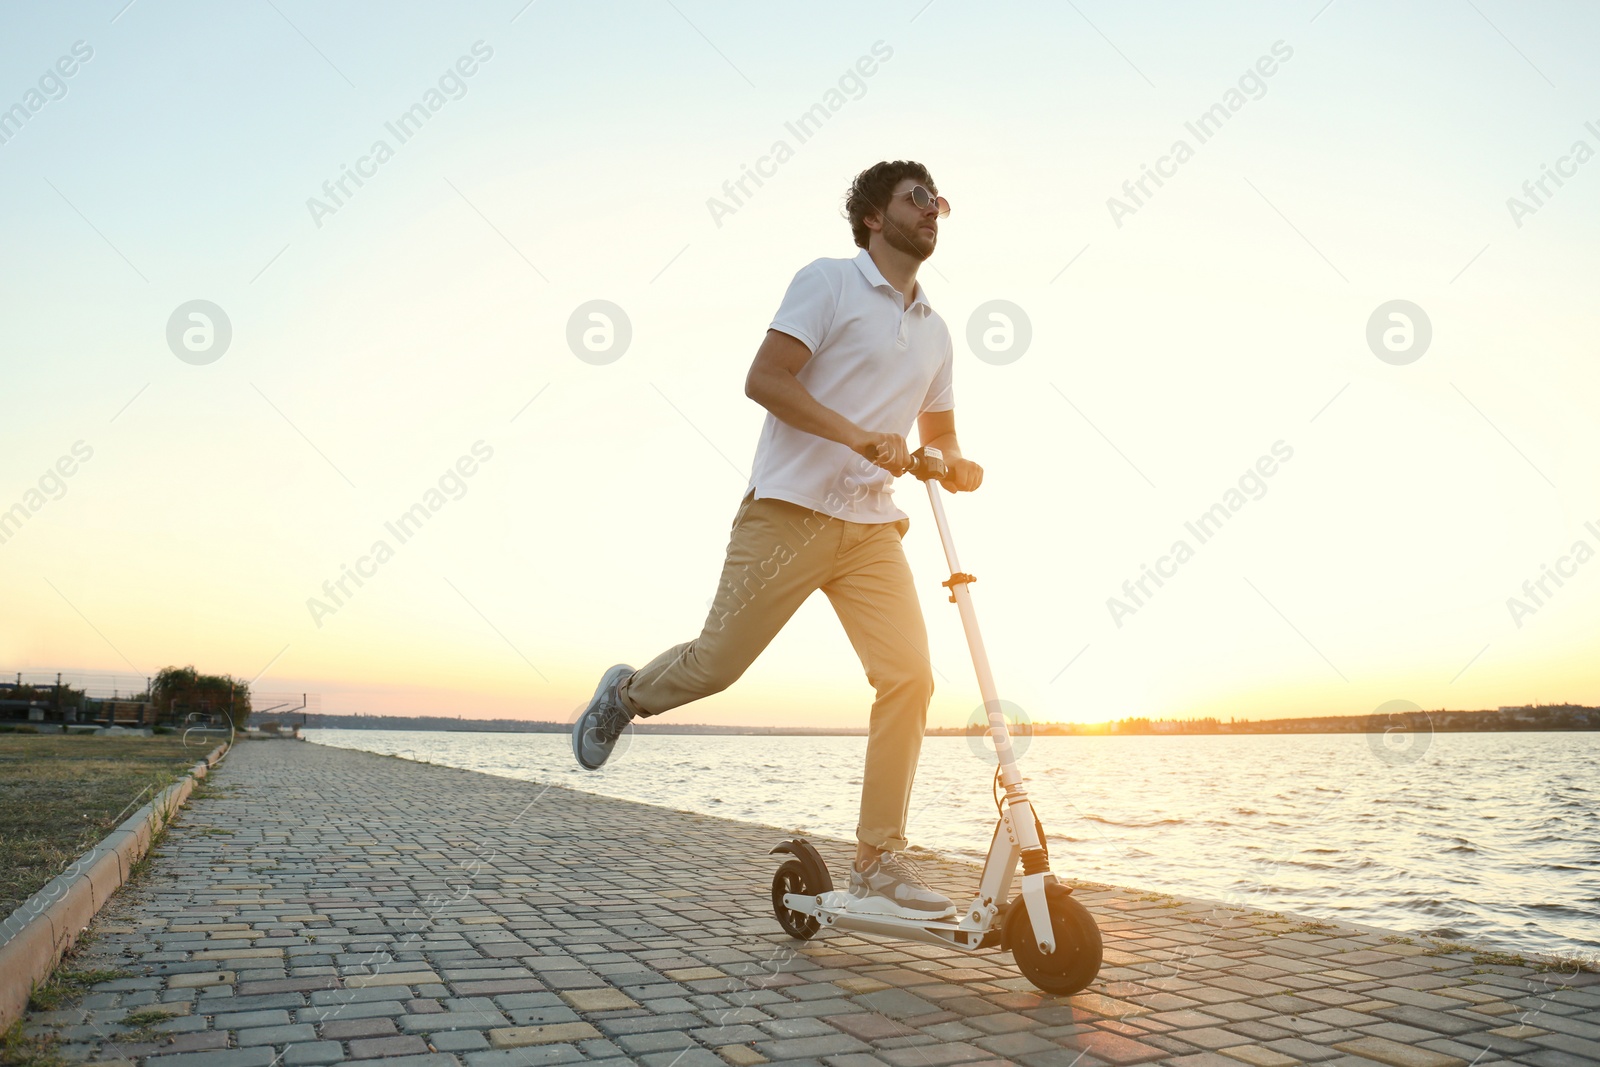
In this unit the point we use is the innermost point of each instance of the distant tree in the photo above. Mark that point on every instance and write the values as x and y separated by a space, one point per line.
179 691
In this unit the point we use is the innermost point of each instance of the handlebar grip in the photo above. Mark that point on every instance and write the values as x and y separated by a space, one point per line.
927 465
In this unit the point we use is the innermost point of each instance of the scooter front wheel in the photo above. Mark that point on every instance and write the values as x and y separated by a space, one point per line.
791 878
1078 950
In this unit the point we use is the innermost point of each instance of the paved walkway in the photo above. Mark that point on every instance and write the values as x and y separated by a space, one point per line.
324 905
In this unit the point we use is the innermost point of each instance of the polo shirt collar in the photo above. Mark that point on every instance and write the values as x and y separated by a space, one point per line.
875 278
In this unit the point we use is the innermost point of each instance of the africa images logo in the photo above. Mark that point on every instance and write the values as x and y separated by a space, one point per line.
1205 126
452 85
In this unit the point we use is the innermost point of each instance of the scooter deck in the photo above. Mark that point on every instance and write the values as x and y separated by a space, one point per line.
828 909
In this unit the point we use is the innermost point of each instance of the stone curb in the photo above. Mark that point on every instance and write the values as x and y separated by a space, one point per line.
35 936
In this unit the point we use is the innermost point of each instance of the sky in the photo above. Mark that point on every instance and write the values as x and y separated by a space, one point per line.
1348 276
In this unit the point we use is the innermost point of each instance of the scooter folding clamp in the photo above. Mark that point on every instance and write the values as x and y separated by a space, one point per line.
956 579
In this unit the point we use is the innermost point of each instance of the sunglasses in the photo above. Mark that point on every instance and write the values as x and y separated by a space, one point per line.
922 198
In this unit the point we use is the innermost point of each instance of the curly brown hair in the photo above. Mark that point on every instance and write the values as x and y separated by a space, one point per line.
869 193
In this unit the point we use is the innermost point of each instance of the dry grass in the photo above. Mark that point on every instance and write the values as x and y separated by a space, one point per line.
61 794
66 986
20 1050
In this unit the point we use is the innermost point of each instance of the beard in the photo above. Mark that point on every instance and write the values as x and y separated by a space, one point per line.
912 244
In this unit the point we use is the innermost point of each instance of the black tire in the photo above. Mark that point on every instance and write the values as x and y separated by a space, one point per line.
791 878
1076 959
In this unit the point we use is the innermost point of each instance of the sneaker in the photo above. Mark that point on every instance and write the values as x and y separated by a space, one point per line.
602 722
892 886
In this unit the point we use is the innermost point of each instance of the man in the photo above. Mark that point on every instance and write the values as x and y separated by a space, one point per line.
854 355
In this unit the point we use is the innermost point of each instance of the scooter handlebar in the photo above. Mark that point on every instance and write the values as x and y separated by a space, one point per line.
927 465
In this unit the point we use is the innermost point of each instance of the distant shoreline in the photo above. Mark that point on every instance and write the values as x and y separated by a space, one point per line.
1531 719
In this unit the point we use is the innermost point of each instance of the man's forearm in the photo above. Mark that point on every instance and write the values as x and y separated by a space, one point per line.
789 401
947 444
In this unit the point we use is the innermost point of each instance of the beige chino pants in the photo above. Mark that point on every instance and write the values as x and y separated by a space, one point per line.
779 554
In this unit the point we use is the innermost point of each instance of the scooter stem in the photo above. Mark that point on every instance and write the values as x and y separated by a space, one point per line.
1010 776
1017 835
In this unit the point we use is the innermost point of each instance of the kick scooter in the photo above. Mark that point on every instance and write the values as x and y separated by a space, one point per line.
1053 938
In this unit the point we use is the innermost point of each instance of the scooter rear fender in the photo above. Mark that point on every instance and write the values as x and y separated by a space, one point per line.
816 869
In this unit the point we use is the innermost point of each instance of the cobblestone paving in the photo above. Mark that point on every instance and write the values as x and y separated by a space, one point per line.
320 905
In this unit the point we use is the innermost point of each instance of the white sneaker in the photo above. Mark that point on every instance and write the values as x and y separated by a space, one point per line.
595 733
891 885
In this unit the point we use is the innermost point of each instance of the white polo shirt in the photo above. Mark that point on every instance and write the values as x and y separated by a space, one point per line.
874 361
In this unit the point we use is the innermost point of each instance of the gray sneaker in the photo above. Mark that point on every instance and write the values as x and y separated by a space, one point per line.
891 885
602 722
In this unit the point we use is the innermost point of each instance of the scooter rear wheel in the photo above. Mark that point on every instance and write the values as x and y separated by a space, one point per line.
791 878
1078 949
